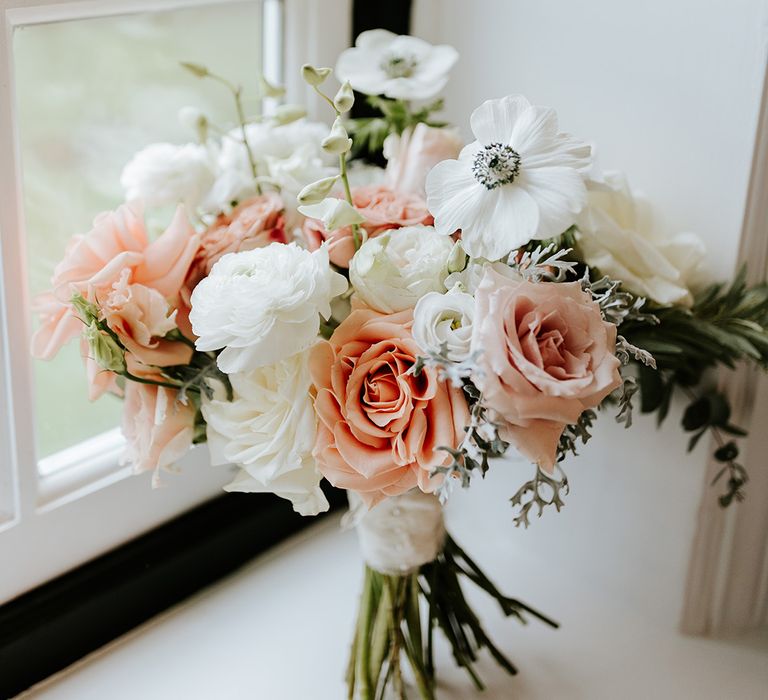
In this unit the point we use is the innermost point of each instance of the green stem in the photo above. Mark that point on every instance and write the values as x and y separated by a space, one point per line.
142 380
359 240
236 91
363 635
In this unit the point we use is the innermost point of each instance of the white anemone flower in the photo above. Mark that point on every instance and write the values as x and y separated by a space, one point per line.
398 66
520 180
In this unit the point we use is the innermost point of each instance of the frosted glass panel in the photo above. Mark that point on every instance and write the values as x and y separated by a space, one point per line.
89 94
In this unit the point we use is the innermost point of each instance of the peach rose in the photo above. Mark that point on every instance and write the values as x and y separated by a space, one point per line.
545 356
255 223
383 209
413 154
93 263
140 317
158 428
379 425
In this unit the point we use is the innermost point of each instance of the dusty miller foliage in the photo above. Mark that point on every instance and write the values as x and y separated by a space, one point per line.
544 265
481 440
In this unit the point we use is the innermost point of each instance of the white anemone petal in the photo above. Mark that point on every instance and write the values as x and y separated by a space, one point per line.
494 120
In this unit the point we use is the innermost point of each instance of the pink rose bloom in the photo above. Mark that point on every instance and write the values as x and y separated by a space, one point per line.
413 154
255 223
158 428
383 209
141 317
545 356
379 426
94 262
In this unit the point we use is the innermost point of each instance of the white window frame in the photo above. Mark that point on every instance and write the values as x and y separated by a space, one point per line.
88 505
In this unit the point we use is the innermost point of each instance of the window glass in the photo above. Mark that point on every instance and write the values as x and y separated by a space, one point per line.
89 94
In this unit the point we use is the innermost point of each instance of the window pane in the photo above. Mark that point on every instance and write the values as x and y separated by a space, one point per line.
89 94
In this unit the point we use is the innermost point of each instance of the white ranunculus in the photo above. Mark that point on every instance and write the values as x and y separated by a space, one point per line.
394 270
401 67
616 236
166 174
268 429
522 179
263 305
288 154
445 319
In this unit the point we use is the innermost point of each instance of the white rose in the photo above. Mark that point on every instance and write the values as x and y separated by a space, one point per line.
616 237
263 305
164 174
445 319
268 429
394 270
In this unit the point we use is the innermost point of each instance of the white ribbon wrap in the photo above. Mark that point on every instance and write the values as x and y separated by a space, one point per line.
401 533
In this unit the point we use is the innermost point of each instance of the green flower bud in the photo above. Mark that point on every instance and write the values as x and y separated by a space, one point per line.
334 213
285 114
314 76
337 141
86 311
316 192
269 89
196 69
104 349
457 260
345 98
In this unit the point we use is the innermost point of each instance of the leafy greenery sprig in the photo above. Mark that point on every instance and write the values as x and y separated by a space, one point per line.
390 117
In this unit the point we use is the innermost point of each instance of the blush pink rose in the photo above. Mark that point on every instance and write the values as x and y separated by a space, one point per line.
379 425
141 317
545 356
413 154
383 209
158 428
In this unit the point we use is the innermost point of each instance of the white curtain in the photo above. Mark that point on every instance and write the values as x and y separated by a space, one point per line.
727 586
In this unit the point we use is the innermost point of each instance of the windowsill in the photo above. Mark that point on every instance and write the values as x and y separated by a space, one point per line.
280 629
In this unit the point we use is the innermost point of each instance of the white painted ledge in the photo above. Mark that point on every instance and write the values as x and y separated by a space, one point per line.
280 628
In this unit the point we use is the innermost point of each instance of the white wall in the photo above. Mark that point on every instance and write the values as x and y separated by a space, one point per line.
669 90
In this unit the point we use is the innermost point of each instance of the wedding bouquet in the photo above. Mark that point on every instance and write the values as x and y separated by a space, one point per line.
394 330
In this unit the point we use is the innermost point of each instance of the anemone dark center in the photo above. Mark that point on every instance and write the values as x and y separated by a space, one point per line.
496 165
399 66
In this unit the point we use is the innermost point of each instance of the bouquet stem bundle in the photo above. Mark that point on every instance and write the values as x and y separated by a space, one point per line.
398 616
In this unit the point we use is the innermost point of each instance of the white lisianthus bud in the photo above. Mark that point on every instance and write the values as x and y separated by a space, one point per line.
338 141
445 320
393 271
285 114
317 191
269 89
314 76
263 305
104 349
457 260
345 98
334 213
192 119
